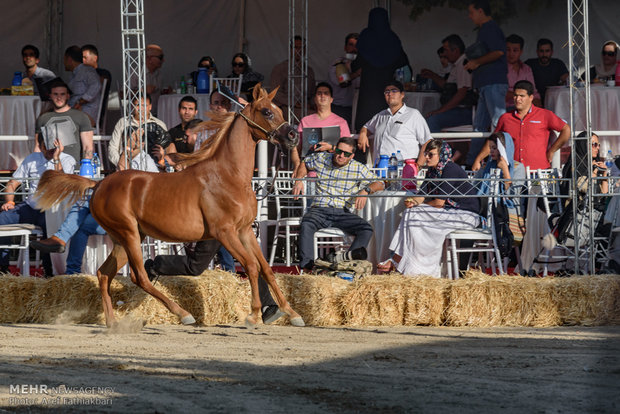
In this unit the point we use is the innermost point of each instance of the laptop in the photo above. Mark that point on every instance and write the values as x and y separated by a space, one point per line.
312 136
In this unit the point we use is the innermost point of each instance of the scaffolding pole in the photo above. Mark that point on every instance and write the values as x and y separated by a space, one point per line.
297 72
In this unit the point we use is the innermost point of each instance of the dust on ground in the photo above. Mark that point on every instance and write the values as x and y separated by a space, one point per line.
283 369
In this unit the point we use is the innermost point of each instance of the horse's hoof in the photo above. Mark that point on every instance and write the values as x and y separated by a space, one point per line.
188 320
250 322
297 321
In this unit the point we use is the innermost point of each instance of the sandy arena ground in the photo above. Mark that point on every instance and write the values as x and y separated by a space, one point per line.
282 369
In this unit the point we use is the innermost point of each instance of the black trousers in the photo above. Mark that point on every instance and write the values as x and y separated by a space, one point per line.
197 262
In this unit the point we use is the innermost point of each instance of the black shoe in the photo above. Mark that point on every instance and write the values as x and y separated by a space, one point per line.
51 245
271 314
150 272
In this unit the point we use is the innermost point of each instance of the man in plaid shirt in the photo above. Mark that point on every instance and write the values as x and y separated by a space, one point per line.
342 182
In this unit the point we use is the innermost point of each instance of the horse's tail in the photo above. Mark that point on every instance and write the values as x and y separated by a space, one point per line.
55 186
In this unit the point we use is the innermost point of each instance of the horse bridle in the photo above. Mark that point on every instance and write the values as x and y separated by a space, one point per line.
270 135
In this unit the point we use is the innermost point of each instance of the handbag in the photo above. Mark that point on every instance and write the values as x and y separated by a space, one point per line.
503 236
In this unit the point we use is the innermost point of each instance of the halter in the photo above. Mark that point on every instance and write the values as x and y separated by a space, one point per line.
270 135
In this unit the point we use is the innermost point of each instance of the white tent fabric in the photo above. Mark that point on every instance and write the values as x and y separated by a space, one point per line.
190 29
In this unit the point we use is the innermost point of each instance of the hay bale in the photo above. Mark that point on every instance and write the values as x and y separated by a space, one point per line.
395 300
482 300
15 293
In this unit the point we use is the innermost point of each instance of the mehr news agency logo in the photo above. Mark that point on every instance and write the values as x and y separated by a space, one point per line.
42 394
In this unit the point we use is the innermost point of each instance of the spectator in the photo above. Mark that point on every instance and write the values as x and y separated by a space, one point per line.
84 84
279 77
489 73
241 65
188 108
33 166
71 126
599 169
396 128
548 71
30 57
90 57
217 103
323 118
380 53
159 140
209 63
336 174
530 127
456 97
417 245
154 62
517 70
607 68
344 91
501 156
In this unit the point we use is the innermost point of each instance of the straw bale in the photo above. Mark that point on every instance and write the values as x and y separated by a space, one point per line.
15 293
395 300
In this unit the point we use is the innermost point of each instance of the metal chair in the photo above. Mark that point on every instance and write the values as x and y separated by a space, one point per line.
23 231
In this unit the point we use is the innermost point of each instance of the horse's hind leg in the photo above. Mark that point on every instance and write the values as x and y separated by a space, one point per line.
134 252
105 275
267 274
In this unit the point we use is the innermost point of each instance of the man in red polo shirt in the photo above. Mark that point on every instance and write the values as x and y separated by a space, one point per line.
530 127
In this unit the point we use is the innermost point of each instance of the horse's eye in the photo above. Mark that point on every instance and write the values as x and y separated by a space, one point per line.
267 113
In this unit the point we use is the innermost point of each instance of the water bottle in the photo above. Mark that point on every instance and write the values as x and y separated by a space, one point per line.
86 168
190 85
609 160
183 85
393 172
169 168
410 170
96 166
202 81
400 159
17 79
383 165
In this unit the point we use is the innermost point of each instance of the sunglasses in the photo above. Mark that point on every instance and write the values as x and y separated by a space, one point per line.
347 154
609 53
596 145
389 91
238 64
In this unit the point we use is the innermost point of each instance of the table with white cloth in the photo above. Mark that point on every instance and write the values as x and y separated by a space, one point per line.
18 115
605 109
424 102
168 107
383 211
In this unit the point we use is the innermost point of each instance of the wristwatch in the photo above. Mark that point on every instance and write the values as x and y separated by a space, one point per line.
367 189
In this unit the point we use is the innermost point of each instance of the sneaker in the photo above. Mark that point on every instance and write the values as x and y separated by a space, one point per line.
271 314
51 245
150 272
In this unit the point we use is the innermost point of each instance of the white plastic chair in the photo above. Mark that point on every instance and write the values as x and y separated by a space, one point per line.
234 84
484 240
23 231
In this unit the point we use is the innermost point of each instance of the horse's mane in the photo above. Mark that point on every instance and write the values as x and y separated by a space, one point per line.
217 121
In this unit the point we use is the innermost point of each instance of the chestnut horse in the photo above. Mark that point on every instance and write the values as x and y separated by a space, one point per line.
211 197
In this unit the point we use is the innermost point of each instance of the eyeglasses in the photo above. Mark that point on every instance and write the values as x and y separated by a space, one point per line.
347 154
430 154
389 91
595 145
238 64
609 53
161 57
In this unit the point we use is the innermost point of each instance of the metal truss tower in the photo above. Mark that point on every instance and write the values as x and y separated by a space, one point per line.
297 72
134 69
579 62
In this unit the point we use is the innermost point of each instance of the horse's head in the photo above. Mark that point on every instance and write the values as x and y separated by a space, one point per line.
266 120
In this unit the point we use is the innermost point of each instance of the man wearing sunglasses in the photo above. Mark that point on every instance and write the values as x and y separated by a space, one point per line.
548 71
342 186
396 128
154 61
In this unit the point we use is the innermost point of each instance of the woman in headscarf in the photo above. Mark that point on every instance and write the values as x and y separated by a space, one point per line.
501 155
241 65
417 243
379 54
606 70
598 165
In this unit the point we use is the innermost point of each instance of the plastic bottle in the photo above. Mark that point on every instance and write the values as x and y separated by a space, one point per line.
183 85
410 170
382 165
17 79
190 85
96 166
86 168
400 159
169 168
609 160
202 81
393 172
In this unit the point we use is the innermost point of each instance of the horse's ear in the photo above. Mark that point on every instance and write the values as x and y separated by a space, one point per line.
273 93
257 90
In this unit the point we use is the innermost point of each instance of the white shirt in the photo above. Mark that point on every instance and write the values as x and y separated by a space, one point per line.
34 165
150 166
459 74
116 143
406 131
